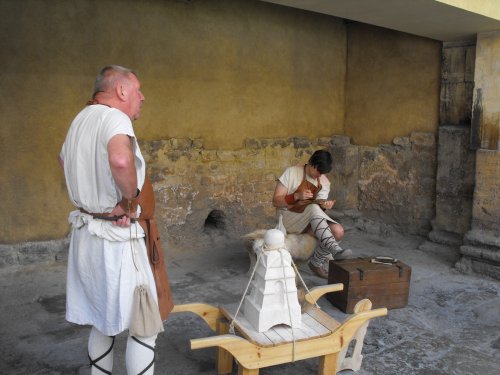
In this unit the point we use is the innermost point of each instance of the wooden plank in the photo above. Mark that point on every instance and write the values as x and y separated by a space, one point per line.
312 324
322 318
289 335
360 292
391 301
315 323
274 337
246 329
346 302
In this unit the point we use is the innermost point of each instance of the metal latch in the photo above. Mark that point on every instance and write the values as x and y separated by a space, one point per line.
361 273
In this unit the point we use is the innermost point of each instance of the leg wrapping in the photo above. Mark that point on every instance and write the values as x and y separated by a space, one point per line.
100 352
140 355
327 242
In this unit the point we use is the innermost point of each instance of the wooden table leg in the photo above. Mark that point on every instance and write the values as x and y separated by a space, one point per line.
245 371
224 360
328 364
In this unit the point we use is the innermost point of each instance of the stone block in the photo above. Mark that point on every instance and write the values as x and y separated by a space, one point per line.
301 142
454 180
453 64
486 207
223 155
456 103
340 141
473 261
455 173
453 214
470 63
402 142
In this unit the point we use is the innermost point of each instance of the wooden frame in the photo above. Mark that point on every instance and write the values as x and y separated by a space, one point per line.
253 352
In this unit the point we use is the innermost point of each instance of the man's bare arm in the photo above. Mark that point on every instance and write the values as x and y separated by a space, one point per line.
121 161
280 193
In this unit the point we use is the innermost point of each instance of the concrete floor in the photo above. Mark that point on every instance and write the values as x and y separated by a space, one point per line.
450 326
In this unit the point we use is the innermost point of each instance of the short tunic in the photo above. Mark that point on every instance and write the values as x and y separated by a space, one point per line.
105 262
295 222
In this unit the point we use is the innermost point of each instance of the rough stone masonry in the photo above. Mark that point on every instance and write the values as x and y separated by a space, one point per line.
393 183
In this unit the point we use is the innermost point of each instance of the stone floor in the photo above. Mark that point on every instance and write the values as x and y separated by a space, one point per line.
450 326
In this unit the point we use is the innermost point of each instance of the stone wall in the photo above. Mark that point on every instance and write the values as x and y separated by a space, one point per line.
194 185
397 182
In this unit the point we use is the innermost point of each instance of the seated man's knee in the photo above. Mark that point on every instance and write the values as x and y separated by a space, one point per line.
337 231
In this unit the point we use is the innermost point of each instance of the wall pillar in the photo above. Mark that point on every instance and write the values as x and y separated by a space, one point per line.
481 249
456 160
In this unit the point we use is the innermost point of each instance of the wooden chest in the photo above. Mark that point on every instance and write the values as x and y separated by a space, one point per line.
383 284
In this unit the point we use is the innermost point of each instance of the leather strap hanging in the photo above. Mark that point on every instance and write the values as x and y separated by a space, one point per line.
156 258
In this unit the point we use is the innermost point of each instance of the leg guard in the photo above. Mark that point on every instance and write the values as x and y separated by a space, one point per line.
100 352
140 355
327 242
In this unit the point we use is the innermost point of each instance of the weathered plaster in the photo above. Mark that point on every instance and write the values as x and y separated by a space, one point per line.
393 84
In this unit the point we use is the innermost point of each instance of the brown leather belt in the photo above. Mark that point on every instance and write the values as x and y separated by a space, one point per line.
105 216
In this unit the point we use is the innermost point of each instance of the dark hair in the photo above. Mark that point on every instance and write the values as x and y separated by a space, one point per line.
321 160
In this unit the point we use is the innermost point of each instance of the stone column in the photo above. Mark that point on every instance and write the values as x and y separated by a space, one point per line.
456 160
481 249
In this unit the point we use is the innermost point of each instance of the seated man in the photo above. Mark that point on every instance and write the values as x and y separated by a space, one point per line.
301 194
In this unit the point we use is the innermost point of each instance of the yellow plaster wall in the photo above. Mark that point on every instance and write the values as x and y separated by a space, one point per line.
221 71
393 82
217 70
487 90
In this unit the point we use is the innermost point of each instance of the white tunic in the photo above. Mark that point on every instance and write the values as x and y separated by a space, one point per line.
102 275
295 222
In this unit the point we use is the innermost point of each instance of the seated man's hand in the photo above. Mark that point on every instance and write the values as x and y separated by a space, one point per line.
327 205
305 195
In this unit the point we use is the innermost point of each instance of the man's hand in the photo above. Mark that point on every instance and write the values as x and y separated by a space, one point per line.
124 220
327 205
304 195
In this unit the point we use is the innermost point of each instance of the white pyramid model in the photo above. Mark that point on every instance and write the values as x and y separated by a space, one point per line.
273 298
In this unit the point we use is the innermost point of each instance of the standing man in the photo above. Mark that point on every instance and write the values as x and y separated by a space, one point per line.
301 194
105 172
